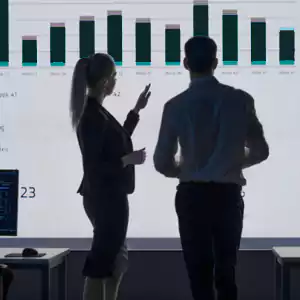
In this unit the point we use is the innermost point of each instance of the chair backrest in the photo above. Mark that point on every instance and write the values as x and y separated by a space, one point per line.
1 283
2 267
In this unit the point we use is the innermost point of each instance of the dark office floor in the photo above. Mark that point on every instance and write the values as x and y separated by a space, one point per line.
161 276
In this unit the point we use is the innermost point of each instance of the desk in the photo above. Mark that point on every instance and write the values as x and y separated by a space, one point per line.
54 258
285 259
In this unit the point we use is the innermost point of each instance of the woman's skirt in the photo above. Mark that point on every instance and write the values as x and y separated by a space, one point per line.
109 215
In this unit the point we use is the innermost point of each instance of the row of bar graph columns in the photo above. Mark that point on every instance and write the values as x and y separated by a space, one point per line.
114 36
258 41
143 39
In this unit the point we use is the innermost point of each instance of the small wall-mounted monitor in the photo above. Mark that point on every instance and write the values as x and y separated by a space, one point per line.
9 194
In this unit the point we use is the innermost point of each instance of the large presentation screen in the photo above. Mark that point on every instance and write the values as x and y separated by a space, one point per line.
40 42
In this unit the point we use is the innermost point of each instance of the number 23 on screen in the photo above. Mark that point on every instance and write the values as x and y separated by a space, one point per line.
28 192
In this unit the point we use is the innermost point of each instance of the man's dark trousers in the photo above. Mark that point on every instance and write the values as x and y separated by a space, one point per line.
210 217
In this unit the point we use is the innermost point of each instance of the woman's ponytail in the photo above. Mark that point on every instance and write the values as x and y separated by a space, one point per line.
78 91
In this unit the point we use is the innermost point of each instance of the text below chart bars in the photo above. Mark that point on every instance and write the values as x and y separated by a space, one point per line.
4 33
200 18
86 36
172 45
258 41
115 36
287 46
57 44
230 37
29 51
143 42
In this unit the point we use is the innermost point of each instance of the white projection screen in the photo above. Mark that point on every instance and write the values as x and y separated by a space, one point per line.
256 41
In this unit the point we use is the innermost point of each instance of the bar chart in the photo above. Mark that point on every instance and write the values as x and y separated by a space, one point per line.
40 43
172 46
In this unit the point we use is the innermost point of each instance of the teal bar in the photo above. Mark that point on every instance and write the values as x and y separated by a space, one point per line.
259 63
173 63
29 64
118 63
86 36
258 40
57 64
230 63
201 18
286 46
4 32
287 29
143 41
172 45
143 63
115 36
29 51
57 43
230 37
287 62
4 64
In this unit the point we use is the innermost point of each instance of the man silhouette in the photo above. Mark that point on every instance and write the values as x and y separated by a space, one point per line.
219 135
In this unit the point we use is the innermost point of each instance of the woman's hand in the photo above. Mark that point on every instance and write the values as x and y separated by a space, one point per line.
143 99
137 157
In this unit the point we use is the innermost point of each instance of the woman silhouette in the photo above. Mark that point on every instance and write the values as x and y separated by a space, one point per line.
108 163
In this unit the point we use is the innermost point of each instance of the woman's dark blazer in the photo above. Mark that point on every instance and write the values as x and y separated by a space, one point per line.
103 142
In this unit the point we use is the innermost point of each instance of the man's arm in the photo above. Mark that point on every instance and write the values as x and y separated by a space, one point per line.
167 145
256 147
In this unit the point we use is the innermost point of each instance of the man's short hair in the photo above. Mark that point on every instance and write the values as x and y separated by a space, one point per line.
201 52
